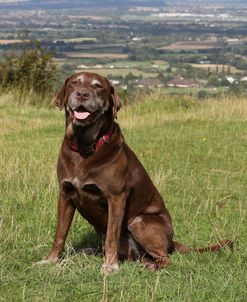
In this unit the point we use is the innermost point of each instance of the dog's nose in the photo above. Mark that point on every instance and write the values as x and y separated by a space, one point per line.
82 94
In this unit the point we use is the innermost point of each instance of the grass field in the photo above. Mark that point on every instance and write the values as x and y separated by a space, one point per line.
159 64
196 155
120 72
191 45
219 67
77 40
10 41
96 55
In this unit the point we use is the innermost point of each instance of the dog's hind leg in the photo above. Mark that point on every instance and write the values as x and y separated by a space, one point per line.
131 250
151 233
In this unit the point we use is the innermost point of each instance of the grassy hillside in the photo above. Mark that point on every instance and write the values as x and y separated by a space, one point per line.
196 155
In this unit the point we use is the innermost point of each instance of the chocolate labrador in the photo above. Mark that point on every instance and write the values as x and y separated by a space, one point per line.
101 177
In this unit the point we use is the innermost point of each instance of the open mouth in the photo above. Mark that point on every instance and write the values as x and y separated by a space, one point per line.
81 115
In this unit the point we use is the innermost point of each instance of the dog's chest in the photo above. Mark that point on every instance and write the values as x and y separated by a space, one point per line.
102 179
93 206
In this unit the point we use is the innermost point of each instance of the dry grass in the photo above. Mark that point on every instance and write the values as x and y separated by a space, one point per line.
231 108
195 152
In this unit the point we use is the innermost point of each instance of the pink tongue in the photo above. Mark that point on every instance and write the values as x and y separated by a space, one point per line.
81 115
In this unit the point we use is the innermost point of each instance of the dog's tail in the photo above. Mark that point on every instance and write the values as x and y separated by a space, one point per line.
210 248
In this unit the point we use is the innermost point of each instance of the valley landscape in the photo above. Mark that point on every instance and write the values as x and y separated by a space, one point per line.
160 41
180 68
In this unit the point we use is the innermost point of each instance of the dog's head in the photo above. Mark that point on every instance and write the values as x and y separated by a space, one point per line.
87 96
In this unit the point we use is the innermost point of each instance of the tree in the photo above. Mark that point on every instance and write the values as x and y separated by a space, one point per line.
202 94
213 80
32 70
130 78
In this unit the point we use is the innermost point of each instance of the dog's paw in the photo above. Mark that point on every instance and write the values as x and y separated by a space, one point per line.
163 262
48 260
150 266
109 268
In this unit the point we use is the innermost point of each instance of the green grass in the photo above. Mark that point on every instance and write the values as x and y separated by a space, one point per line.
196 155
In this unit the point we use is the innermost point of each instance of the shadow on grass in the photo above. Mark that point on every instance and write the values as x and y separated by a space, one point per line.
90 244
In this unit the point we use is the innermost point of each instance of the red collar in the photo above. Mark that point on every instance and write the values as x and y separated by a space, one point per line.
85 151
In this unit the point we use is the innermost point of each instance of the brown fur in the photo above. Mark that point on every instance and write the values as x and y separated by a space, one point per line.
110 187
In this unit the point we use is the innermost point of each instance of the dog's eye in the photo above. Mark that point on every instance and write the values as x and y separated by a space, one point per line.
97 85
74 82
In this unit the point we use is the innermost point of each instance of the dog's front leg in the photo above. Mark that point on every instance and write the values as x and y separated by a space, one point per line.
116 209
66 212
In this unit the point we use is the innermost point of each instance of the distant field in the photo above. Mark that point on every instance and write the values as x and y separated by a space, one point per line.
139 64
220 67
192 91
119 72
4 1
96 55
77 40
10 41
97 18
91 47
92 17
60 61
191 45
128 64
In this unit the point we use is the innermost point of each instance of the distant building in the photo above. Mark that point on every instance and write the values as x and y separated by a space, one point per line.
205 62
230 79
82 66
243 79
98 66
137 39
182 83
115 82
149 83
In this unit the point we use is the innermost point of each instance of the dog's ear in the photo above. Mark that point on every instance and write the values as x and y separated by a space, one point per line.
116 102
59 99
